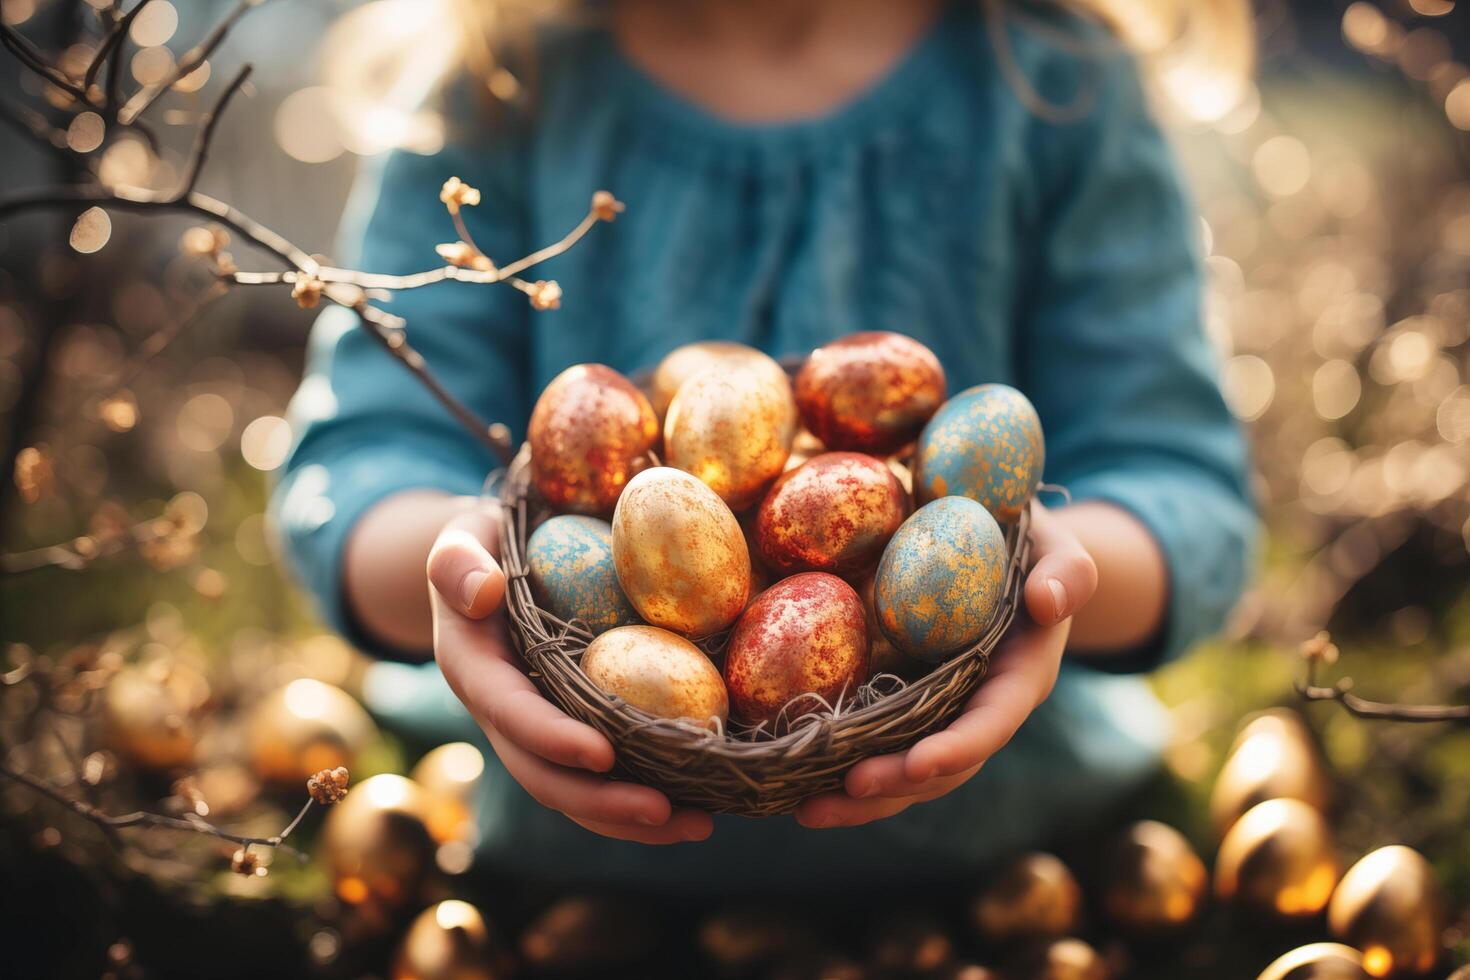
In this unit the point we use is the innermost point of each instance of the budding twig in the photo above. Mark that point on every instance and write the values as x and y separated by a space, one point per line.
1321 650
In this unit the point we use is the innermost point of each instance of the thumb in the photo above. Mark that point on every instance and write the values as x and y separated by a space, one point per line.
1064 575
462 569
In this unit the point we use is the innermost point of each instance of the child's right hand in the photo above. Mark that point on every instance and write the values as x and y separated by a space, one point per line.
557 759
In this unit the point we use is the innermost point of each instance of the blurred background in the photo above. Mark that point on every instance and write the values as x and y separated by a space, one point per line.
161 660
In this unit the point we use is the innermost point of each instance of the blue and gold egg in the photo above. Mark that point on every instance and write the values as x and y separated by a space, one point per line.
940 579
985 444
570 561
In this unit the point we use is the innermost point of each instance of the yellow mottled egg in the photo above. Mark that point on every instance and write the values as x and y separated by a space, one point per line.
683 363
1155 882
1273 757
1278 860
658 671
376 841
590 432
1318 961
940 579
732 428
985 444
805 635
679 552
833 513
305 727
1390 905
871 392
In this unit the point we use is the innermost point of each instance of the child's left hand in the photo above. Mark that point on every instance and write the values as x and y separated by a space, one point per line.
1022 673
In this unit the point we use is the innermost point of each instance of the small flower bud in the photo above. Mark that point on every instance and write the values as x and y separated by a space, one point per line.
605 206
545 294
328 786
464 255
1320 648
456 194
245 862
307 292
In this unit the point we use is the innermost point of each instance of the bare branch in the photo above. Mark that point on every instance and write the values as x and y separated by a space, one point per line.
111 44
206 131
188 64
1321 650
30 57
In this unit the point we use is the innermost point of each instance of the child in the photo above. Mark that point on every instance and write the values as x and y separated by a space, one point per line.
793 172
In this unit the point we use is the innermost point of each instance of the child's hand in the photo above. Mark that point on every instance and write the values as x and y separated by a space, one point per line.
549 753
1021 676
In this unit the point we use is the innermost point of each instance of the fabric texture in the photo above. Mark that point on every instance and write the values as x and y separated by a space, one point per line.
1060 257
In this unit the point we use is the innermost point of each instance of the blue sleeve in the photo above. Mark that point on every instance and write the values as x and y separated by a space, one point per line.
365 429
1114 354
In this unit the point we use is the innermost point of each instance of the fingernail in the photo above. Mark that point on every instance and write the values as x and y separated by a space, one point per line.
1058 596
648 821
865 789
469 587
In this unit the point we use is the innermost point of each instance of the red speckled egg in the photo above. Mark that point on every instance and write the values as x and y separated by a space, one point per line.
834 513
732 428
871 392
590 432
683 363
806 634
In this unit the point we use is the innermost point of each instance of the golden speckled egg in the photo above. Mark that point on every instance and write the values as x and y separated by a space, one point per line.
1319 961
834 513
1273 757
447 941
683 363
883 656
147 721
658 671
733 429
871 392
307 726
1061 959
985 444
1278 860
450 777
590 432
940 579
1155 882
1033 897
806 634
376 841
570 564
679 552
1390 906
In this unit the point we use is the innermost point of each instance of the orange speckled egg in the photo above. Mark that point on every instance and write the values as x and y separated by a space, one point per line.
806 634
834 513
658 671
590 432
871 392
732 428
679 553
683 363
985 444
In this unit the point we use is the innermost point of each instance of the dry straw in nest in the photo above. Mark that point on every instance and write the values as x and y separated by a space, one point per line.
752 772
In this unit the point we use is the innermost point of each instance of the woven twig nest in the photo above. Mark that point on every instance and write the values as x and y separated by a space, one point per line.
753 772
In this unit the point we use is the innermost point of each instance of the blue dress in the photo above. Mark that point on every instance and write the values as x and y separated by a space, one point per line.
1059 257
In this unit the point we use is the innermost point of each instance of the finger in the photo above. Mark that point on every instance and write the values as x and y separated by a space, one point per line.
462 566
840 810
580 796
480 669
684 826
1064 576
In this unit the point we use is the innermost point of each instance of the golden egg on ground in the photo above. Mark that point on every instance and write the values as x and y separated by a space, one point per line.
1319 961
1274 757
1390 905
450 777
732 428
683 363
680 555
1278 860
447 941
376 841
1033 897
590 432
1155 882
304 727
658 671
146 721
1060 959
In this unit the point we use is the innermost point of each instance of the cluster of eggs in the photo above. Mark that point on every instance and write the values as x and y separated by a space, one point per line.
838 525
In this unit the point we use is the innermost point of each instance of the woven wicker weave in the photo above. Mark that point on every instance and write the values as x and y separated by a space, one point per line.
753 773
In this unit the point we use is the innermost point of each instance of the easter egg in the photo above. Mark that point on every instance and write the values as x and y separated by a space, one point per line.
590 431
985 444
1278 860
732 428
1390 905
679 553
450 777
1274 756
870 392
883 656
1035 896
804 635
940 579
833 513
683 363
1155 882
376 842
570 564
1318 961
148 722
304 727
448 941
658 671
